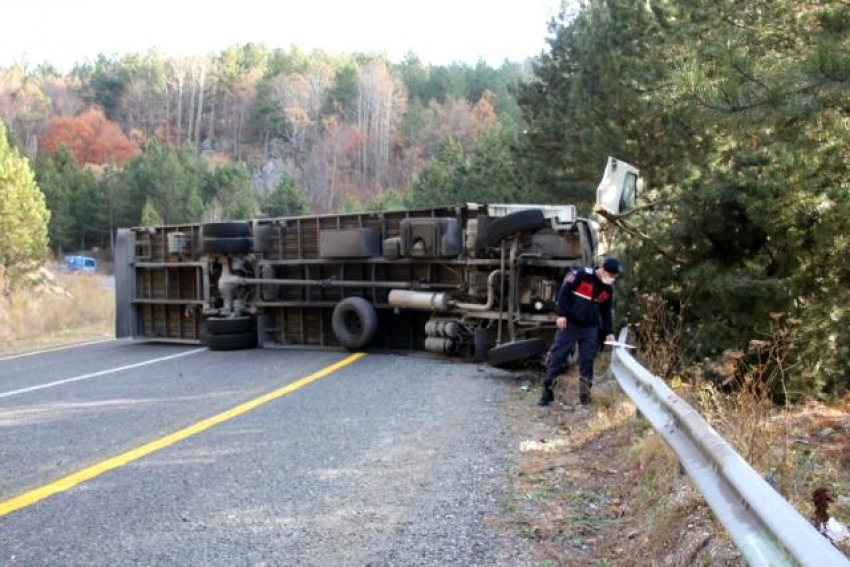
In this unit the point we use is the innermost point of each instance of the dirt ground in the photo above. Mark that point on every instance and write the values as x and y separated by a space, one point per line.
597 485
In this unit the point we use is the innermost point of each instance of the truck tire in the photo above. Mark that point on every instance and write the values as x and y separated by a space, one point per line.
225 229
240 245
354 322
520 221
236 341
515 351
230 325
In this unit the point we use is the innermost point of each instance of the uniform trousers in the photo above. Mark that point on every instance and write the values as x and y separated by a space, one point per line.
586 338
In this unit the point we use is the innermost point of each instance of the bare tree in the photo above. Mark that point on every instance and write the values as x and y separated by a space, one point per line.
293 94
319 76
381 100
178 71
329 173
144 107
63 95
213 93
240 100
135 110
201 84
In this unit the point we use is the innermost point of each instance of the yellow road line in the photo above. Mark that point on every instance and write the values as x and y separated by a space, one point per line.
63 484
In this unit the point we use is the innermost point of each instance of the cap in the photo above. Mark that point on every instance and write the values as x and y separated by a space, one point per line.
611 265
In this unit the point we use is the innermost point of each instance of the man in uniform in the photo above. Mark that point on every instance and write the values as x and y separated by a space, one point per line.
583 301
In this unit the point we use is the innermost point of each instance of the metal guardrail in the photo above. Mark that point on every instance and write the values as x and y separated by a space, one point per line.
766 529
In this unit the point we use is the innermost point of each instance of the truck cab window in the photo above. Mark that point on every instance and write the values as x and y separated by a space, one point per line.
628 198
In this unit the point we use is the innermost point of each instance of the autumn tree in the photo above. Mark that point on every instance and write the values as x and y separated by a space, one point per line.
459 119
23 215
90 137
23 107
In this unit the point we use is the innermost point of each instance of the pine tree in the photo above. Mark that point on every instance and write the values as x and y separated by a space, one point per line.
23 215
286 199
736 114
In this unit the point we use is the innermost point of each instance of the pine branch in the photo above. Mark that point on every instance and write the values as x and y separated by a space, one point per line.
620 222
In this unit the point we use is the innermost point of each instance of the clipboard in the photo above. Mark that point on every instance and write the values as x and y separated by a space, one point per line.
619 344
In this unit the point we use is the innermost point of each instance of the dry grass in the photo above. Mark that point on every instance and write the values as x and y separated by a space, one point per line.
54 309
599 487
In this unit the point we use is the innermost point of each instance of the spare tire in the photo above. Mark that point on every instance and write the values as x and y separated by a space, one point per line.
225 229
230 325
236 341
519 221
354 322
515 351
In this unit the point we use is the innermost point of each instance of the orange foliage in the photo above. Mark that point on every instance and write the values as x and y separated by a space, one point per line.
90 137
461 120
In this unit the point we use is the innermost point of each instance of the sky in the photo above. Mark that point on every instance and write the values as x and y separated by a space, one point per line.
440 32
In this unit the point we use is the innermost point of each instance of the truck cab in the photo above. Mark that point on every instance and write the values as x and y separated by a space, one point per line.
617 193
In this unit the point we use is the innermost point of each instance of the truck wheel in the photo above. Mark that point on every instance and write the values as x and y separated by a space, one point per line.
520 221
515 351
354 322
230 325
225 229
239 245
236 341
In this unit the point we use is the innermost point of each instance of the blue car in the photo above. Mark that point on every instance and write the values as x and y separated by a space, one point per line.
83 264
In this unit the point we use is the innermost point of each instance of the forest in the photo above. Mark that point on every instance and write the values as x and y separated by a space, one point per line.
737 113
249 131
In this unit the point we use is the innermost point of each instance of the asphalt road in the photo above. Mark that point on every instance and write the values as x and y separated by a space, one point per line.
383 460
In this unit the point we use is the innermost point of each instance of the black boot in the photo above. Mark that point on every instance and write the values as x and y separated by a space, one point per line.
547 397
584 394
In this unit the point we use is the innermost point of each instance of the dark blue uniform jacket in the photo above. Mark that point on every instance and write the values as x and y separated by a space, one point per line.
584 299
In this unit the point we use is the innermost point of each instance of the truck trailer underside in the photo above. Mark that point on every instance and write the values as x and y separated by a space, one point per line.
473 281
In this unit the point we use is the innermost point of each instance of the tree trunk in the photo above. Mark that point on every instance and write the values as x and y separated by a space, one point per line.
200 103
211 131
190 128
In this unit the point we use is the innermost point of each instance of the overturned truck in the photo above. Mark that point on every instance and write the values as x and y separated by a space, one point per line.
474 281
